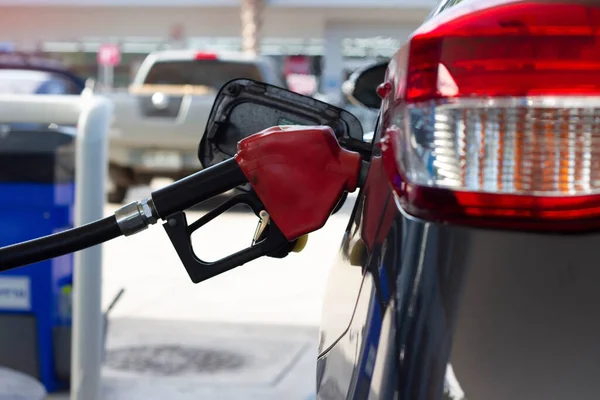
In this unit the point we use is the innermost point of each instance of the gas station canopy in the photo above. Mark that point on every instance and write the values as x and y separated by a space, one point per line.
287 25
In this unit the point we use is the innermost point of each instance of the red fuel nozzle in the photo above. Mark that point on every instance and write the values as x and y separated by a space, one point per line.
299 173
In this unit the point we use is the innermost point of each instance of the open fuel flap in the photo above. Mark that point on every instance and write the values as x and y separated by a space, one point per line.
244 107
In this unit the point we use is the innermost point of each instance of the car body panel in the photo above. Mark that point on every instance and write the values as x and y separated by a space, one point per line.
514 315
340 299
453 312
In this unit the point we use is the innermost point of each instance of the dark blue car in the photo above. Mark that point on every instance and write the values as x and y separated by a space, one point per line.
470 268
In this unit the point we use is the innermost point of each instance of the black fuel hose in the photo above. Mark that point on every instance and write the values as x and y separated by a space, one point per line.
200 186
59 244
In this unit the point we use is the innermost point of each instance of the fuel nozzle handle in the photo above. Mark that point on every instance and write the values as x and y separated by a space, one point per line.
298 172
196 188
298 175
135 217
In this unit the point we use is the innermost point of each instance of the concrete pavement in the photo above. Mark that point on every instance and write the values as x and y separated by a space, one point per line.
144 361
250 333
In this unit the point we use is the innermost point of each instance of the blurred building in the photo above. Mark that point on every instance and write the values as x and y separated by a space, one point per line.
336 35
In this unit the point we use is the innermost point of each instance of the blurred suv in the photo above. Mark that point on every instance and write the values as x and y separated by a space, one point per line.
159 120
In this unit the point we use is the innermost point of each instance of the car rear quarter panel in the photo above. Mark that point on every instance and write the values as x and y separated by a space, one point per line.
489 314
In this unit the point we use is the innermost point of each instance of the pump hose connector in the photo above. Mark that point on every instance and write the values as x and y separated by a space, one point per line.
135 217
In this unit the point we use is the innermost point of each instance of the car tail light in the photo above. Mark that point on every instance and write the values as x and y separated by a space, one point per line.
205 56
494 116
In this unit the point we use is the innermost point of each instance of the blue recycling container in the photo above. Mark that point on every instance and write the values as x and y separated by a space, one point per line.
37 182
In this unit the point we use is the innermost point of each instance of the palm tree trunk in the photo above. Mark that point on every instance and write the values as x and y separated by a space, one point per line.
251 13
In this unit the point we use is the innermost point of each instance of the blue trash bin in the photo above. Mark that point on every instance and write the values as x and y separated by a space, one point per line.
37 175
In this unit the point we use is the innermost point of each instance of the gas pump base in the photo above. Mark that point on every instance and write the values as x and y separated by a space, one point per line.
35 325
37 187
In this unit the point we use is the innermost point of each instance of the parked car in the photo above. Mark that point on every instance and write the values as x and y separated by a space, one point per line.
31 74
158 121
469 269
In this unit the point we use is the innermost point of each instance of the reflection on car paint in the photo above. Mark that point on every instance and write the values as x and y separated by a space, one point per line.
367 360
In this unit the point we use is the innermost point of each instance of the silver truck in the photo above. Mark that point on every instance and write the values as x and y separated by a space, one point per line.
160 120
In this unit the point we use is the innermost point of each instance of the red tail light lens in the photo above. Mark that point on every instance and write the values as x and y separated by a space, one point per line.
495 116
205 56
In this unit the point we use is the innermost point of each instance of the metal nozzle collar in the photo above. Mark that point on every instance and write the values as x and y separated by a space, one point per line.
136 216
